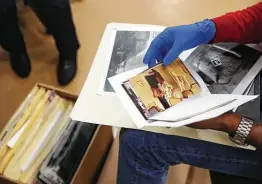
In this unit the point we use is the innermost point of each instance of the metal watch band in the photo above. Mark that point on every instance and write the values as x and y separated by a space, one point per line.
242 132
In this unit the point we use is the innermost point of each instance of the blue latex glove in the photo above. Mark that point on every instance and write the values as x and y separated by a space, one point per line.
172 41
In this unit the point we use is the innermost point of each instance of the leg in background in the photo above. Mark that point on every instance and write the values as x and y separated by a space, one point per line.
11 38
144 157
56 15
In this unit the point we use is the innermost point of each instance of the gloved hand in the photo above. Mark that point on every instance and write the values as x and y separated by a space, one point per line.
172 41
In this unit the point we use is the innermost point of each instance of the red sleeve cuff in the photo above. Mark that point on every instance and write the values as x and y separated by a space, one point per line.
226 30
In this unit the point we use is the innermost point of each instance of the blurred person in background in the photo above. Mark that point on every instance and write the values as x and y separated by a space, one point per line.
57 17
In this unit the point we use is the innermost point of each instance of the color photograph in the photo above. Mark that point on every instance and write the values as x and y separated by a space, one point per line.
159 88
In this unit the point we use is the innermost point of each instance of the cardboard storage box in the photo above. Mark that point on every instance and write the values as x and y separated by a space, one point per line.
95 155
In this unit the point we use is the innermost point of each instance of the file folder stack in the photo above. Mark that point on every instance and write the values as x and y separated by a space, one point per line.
31 133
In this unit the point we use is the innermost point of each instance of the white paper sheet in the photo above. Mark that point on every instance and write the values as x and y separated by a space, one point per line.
239 100
197 106
16 137
245 93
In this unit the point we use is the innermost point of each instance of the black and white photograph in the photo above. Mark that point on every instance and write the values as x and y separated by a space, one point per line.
223 66
128 52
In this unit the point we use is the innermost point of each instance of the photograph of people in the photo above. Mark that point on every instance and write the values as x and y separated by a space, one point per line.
160 87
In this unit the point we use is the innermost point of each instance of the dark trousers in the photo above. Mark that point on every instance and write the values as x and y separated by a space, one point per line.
144 157
54 14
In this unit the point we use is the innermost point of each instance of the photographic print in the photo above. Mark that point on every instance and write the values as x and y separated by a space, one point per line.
159 88
128 52
223 66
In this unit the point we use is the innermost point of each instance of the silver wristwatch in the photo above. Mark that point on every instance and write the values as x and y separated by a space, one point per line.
242 132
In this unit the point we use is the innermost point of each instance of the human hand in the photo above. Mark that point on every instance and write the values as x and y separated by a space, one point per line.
172 41
227 122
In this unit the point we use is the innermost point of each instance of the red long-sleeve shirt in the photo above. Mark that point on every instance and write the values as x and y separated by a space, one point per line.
243 26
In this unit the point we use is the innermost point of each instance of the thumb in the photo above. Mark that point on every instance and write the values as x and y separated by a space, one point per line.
172 54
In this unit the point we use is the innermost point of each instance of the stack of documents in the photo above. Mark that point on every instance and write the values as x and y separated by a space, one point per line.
31 133
131 95
202 83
